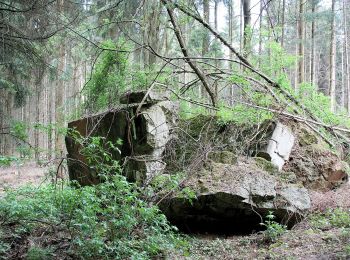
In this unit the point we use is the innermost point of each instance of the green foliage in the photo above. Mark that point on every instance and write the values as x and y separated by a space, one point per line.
276 59
273 229
108 77
106 221
319 104
188 110
338 217
242 115
164 183
37 253
19 130
7 160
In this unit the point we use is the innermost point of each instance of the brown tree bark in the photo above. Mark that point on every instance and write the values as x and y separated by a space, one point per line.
283 22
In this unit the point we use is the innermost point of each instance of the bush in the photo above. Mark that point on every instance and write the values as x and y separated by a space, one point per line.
273 229
106 221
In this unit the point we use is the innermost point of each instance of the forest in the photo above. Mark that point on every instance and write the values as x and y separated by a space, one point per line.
174 129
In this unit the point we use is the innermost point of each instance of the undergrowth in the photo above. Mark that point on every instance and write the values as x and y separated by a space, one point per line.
107 221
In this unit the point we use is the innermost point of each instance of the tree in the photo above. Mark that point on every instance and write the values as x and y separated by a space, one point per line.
246 32
332 60
301 73
346 72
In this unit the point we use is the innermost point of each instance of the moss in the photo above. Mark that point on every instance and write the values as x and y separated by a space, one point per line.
226 157
289 177
307 138
265 165
198 124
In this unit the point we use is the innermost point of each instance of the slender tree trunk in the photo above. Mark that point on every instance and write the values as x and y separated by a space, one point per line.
37 118
313 46
346 58
241 24
230 24
260 30
343 81
216 3
301 62
206 39
332 59
230 29
246 32
283 22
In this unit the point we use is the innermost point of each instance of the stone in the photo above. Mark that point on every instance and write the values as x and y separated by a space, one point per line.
157 135
111 125
337 173
144 138
131 97
279 146
317 167
238 195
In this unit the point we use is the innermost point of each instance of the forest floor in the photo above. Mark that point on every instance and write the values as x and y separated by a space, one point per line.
20 175
323 234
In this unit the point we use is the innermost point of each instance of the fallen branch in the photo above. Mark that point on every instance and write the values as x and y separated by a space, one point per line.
181 41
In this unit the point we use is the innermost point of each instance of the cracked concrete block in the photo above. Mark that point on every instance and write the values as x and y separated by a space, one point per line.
279 146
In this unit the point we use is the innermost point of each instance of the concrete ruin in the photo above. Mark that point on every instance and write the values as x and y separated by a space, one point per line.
235 199
145 126
230 192
279 146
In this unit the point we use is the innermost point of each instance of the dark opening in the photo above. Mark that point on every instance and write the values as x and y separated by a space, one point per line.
220 226
221 214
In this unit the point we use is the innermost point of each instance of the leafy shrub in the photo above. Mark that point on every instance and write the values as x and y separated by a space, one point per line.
338 217
108 77
37 253
7 160
106 221
273 228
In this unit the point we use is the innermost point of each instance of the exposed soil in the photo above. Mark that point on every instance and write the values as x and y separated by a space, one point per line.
20 175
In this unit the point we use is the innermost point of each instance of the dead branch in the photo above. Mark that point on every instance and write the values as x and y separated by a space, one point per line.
244 61
180 39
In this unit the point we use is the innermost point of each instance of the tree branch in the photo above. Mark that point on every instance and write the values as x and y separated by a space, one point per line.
181 42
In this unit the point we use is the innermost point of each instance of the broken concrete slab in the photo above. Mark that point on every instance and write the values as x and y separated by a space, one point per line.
157 134
238 195
144 137
279 146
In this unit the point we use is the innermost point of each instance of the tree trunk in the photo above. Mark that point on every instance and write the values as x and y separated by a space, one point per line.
206 39
312 61
282 22
346 59
59 92
332 56
246 32
301 75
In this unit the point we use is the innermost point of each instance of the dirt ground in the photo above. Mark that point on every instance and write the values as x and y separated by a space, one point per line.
20 175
